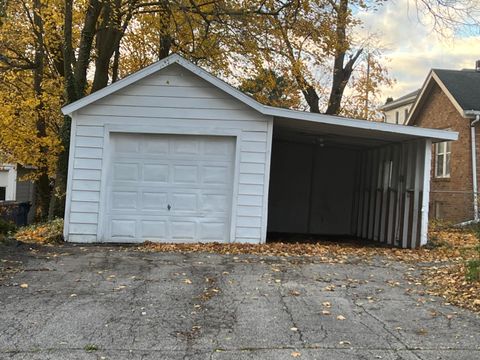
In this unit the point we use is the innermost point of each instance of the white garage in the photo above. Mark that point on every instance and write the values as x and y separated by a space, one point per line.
173 154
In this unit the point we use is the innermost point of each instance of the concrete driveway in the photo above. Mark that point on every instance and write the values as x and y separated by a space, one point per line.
99 302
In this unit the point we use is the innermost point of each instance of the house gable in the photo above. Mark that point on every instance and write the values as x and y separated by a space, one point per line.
171 89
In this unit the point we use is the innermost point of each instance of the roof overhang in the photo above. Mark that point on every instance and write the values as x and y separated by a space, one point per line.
337 124
372 133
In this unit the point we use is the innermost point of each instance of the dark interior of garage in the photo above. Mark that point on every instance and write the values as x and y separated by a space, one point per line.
311 185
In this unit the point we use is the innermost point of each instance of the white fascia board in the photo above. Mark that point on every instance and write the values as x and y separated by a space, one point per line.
442 135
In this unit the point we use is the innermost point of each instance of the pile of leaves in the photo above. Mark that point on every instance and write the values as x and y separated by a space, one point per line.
455 278
45 233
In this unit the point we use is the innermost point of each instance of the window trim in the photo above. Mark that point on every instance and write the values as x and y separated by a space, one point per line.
446 153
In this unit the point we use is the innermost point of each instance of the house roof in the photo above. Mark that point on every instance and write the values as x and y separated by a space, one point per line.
402 100
375 129
462 87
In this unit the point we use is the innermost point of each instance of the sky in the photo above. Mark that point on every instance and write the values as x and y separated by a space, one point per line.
412 48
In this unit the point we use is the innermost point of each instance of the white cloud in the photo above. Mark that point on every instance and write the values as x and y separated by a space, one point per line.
412 48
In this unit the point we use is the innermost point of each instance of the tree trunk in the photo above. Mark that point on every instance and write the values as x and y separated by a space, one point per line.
43 189
341 72
108 38
86 44
312 99
165 41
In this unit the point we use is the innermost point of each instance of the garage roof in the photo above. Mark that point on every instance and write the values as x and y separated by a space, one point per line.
310 121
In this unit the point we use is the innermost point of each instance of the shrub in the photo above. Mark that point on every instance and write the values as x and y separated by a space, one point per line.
6 227
473 270
49 232
473 265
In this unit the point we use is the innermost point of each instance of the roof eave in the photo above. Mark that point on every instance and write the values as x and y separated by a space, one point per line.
413 131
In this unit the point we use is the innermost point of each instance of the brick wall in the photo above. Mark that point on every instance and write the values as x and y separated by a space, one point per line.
450 199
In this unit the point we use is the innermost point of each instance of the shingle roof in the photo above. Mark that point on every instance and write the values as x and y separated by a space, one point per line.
402 100
463 85
409 95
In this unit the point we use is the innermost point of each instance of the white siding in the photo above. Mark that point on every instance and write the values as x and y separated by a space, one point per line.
170 101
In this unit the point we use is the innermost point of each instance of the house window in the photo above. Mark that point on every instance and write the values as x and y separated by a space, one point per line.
3 193
442 159
397 116
406 116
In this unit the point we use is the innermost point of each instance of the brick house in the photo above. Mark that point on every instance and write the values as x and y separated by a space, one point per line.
450 99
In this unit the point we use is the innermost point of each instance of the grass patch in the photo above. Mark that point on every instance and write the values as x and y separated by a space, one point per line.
90 348
6 227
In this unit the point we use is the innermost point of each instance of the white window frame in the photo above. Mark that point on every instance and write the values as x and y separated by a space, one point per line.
442 156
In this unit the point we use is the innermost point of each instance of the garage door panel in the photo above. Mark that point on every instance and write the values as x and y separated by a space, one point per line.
158 173
153 145
170 188
154 201
212 231
215 174
183 230
214 202
125 171
184 202
218 147
154 230
185 146
123 228
122 200
186 174
125 144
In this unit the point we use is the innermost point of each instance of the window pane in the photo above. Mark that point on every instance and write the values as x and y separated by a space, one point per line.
440 165
449 146
441 148
447 165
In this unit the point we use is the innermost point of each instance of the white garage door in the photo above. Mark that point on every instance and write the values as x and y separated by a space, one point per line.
170 188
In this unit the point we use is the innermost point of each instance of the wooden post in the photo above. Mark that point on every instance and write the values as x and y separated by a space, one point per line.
426 192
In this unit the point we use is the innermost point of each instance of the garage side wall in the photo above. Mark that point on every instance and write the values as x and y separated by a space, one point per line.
392 194
172 101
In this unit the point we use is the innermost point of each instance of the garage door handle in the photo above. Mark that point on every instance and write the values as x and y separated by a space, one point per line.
169 207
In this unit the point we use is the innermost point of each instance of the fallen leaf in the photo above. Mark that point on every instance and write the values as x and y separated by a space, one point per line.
341 317
296 354
326 304
187 281
325 312
24 286
293 329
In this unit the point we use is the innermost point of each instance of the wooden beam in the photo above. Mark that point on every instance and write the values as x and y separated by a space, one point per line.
417 189
426 192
